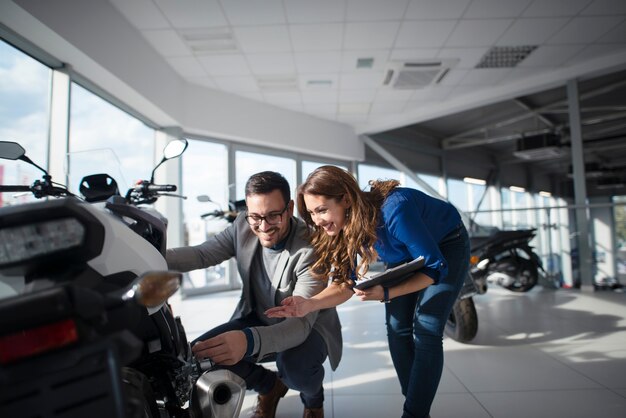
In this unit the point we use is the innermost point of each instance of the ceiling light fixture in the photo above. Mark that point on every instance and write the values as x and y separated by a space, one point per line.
517 189
472 180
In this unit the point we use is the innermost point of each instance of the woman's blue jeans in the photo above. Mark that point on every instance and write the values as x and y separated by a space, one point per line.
415 326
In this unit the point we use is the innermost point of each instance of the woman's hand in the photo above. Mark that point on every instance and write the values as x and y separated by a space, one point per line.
372 293
291 306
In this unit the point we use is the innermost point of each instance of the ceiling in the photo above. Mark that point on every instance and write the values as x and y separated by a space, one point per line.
417 70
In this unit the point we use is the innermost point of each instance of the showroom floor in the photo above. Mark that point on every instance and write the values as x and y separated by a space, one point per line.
545 353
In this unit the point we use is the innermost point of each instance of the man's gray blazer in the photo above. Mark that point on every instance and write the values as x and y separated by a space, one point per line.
292 277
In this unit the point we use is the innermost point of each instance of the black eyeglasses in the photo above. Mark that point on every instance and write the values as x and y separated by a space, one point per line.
272 218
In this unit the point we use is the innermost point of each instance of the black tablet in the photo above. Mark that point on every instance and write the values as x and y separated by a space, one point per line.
392 276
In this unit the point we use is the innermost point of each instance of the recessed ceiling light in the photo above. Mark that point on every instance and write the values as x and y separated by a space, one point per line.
319 83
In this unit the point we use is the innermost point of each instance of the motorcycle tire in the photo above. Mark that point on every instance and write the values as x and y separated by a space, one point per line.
527 274
462 324
140 400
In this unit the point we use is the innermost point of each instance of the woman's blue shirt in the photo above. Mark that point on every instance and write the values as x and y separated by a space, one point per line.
412 224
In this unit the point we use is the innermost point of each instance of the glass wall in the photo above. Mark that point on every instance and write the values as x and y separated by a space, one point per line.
24 117
103 136
205 183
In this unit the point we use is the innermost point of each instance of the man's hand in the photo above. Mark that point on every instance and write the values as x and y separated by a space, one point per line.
225 349
372 293
291 306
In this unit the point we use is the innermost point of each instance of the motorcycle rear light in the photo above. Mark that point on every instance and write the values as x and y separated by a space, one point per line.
38 340
29 241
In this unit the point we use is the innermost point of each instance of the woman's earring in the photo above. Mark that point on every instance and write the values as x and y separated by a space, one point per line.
347 213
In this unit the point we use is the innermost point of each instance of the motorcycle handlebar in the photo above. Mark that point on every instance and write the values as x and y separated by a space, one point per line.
162 188
4 188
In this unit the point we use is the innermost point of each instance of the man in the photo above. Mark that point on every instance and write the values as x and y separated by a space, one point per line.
273 259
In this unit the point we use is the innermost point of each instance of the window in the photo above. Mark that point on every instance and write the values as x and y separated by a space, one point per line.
249 163
24 115
103 136
205 173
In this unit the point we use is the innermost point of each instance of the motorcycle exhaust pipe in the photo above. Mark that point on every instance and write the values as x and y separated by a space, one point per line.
218 394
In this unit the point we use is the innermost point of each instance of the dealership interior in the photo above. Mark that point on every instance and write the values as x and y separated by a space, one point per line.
512 110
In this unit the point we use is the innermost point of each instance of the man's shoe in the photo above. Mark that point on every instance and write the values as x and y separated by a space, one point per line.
266 404
313 413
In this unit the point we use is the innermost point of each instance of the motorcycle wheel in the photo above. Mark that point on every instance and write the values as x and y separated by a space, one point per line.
462 324
140 401
526 274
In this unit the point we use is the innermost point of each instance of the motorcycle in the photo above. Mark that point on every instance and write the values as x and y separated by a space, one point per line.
78 342
507 259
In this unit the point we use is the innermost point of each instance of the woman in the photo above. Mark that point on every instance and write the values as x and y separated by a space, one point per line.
351 229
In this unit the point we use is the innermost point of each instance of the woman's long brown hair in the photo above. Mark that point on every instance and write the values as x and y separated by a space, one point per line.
337 255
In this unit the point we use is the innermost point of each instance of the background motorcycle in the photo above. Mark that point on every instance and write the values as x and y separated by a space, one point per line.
507 259
96 252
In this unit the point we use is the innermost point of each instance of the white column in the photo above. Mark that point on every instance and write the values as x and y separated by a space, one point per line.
58 135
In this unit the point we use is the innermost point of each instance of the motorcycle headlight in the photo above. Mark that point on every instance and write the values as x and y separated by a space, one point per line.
33 240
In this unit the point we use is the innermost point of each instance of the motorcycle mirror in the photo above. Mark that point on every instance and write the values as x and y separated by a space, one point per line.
14 151
11 150
203 198
172 150
154 288
175 148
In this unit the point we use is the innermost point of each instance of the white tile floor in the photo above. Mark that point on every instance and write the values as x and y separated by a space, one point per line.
545 353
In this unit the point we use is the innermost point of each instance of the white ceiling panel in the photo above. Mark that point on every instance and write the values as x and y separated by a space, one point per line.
605 7
264 64
320 96
316 37
484 76
365 10
391 95
424 34
306 11
478 32
143 14
263 38
615 35
357 96
318 62
585 30
550 56
436 9
322 109
225 65
454 77
413 54
595 51
468 57
368 35
361 81
192 13
532 31
244 12
539 8
480 9
388 108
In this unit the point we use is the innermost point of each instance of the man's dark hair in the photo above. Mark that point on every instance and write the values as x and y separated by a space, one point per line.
266 182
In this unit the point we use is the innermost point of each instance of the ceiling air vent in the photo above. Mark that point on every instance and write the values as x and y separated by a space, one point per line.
505 56
540 147
410 75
